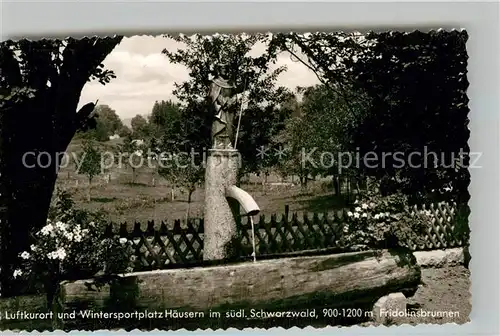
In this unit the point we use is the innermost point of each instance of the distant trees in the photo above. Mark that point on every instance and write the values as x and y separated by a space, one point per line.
413 86
107 123
164 118
140 126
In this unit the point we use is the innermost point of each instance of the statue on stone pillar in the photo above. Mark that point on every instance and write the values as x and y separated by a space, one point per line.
223 96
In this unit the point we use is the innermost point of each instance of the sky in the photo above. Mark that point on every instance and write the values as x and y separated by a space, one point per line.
144 75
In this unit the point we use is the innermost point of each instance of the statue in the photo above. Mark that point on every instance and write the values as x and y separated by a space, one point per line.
223 98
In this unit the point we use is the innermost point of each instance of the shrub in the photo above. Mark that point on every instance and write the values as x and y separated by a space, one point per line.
72 246
378 221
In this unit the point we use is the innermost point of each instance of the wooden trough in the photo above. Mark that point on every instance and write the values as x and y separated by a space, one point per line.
348 280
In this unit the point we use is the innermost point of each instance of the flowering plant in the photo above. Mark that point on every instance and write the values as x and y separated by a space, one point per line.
378 221
71 246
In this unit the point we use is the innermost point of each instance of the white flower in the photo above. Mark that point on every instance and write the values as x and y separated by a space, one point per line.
77 238
357 209
381 215
346 228
356 202
58 254
33 248
85 231
61 253
387 214
123 240
364 206
47 229
356 215
17 273
61 226
69 236
25 255
372 205
364 215
349 214
376 216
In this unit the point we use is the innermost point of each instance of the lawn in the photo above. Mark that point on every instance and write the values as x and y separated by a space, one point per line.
143 201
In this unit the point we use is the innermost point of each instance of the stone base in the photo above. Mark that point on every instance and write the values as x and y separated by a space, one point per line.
439 258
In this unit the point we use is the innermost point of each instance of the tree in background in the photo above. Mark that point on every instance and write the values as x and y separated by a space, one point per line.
90 163
41 82
107 123
140 127
415 87
164 118
132 151
124 132
417 82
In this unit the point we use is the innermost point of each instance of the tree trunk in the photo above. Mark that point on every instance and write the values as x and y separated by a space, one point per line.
188 211
42 124
336 185
337 281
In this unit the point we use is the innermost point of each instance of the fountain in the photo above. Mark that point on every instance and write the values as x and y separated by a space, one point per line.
223 199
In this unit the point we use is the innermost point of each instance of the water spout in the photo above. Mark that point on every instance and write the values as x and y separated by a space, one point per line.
248 204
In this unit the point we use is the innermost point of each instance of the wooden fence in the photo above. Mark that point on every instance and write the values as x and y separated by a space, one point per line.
158 248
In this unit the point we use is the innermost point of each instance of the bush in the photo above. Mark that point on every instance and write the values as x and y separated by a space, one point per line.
378 221
72 246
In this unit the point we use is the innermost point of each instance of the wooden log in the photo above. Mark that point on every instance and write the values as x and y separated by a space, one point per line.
354 279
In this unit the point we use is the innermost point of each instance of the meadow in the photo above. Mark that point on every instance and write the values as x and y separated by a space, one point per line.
143 195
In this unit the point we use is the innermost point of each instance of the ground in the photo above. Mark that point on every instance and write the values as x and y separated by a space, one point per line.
444 289
143 200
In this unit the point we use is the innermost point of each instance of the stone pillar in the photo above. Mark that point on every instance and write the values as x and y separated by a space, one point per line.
219 220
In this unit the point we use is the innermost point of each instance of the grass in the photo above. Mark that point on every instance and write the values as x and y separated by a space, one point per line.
141 201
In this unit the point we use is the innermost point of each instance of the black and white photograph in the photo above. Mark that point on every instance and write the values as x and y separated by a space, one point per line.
244 180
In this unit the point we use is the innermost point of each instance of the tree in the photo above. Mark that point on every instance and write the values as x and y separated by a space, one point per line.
423 110
140 126
107 123
182 171
40 86
164 118
124 132
206 57
90 163
416 86
133 151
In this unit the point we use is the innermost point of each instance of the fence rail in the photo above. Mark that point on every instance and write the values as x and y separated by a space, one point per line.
164 247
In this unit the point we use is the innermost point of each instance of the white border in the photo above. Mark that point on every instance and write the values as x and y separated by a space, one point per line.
58 19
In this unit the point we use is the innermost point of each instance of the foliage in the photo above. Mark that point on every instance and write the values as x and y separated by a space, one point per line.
72 246
383 222
132 150
423 109
40 86
140 126
416 88
107 123
164 118
90 160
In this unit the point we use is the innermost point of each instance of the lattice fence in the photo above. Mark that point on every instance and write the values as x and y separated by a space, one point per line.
162 247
